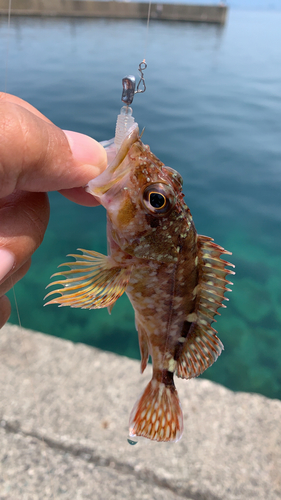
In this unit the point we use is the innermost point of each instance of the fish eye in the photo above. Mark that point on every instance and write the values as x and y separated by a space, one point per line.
158 199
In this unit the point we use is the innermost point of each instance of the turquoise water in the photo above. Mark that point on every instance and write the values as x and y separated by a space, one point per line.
212 110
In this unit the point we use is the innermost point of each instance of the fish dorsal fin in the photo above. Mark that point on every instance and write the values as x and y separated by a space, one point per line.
94 281
202 347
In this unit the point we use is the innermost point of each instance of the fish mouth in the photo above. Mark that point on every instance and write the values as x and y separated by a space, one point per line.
117 169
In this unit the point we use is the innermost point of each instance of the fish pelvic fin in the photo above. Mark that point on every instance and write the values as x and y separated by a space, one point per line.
93 282
143 343
201 346
157 414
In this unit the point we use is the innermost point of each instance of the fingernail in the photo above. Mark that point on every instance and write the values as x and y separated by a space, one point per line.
7 262
86 150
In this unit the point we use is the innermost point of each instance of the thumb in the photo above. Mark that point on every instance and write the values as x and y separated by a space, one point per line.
37 156
90 158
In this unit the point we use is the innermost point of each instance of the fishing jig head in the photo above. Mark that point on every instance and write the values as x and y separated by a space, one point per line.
129 85
125 119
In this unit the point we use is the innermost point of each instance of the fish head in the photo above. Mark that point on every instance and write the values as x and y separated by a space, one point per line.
144 202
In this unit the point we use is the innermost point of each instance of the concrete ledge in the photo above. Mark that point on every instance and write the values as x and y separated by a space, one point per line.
117 10
64 412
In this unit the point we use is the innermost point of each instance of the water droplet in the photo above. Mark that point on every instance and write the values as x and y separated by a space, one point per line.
132 441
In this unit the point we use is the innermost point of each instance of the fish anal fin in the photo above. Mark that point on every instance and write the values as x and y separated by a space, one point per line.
200 350
93 282
157 414
143 343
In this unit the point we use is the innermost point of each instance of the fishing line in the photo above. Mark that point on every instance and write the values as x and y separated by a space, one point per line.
8 45
23 341
16 304
143 64
147 26
25 347
128 82
5 90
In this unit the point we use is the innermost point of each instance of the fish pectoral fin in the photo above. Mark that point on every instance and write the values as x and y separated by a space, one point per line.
110 307
143 343
157 414
202 347
93 281
200 350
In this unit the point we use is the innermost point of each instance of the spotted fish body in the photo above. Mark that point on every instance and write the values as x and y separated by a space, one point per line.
174 278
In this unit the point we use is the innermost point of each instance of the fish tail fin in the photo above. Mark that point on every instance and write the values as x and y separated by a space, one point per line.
157 414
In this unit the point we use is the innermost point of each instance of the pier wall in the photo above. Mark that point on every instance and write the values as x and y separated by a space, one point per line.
64 411
116 10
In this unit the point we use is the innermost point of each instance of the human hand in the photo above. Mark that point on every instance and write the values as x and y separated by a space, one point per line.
36 157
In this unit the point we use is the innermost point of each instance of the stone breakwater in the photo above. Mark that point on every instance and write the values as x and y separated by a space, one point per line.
64 412
117 10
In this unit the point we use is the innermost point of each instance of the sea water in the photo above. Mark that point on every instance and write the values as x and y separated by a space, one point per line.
212 110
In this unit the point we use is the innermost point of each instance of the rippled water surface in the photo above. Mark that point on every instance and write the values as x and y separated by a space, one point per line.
212 110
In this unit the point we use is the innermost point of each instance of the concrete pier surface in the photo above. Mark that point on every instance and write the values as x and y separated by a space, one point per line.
117 10
64 412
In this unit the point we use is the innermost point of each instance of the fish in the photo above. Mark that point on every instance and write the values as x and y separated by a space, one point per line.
174 278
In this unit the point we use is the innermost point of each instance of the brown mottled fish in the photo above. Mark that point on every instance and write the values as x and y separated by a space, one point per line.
174 278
